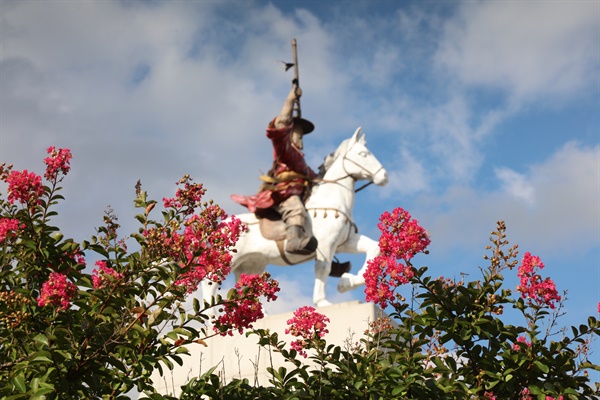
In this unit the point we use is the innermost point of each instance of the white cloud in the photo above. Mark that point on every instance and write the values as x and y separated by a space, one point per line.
516 184
453 140
409 177
565 216
531 49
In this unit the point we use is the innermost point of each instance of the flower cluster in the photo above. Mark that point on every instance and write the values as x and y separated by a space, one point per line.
401 239
24 187
401 236
9 228
381 326
200 244
532 286
205 244
15 309
307 324
526 395
187 198
521 339
245 308
58 161
102 276
57 291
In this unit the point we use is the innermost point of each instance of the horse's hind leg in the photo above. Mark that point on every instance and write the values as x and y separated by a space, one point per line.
357 244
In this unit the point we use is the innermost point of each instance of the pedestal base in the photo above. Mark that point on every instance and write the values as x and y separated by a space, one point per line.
241 357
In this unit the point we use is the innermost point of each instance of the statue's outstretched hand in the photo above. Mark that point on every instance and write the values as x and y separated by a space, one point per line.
295 93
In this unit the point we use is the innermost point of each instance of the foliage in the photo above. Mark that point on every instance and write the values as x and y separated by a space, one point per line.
68 333
448 342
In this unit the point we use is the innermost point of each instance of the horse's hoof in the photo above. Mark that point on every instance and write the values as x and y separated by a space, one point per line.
345 283
323 303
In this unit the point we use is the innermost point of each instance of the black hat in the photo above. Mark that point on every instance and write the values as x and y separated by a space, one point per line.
306 125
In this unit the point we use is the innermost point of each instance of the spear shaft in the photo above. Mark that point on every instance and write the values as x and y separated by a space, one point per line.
296 80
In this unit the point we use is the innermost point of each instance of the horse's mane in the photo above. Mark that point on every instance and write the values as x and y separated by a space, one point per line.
331 157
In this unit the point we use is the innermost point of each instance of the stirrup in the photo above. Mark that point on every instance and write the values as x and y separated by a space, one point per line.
292 246
338 269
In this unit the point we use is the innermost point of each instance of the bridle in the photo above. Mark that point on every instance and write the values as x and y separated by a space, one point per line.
348 175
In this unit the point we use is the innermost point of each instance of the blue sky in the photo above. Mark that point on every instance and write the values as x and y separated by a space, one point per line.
479 110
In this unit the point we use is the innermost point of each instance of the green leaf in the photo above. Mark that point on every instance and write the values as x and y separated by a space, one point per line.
41 394
42 339
535 390
542 367
34 384
589 365
41 356
19 383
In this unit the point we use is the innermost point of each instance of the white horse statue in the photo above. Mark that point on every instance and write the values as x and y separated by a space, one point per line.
330 210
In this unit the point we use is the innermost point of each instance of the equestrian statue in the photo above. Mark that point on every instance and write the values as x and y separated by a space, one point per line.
298 214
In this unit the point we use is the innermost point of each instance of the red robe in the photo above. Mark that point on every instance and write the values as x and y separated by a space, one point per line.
290 173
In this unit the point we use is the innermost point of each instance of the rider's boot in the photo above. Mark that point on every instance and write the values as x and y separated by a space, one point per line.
298 242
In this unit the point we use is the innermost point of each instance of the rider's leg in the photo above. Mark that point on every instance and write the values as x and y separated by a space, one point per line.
294 215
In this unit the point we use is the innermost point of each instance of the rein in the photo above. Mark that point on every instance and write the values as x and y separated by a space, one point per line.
339 179
344 159
363 186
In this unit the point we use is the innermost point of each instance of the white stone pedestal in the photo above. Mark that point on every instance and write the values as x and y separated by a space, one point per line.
240 357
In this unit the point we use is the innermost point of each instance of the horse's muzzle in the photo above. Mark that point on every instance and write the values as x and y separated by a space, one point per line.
381 177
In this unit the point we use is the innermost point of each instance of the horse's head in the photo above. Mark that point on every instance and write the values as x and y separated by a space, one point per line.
357 161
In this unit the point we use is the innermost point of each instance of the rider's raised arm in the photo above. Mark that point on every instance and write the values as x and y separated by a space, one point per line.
285 116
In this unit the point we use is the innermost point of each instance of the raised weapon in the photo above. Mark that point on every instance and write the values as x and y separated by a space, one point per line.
296 80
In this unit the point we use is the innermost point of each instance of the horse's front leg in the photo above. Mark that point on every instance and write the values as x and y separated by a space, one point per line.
357 244
322 270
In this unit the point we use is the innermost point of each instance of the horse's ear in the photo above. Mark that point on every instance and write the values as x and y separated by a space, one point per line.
357 134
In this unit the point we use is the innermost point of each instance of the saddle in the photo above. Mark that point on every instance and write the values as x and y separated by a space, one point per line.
272 227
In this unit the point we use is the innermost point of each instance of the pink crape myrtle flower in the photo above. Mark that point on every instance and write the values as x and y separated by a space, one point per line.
79 259
9 227
526 395
532 286
401 239
102 276
245 309
203 247
187 198
205 244
306 324
57 291
58 161
24 187
401 236
521 339
598 307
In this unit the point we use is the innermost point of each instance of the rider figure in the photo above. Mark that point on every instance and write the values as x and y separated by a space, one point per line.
289 178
